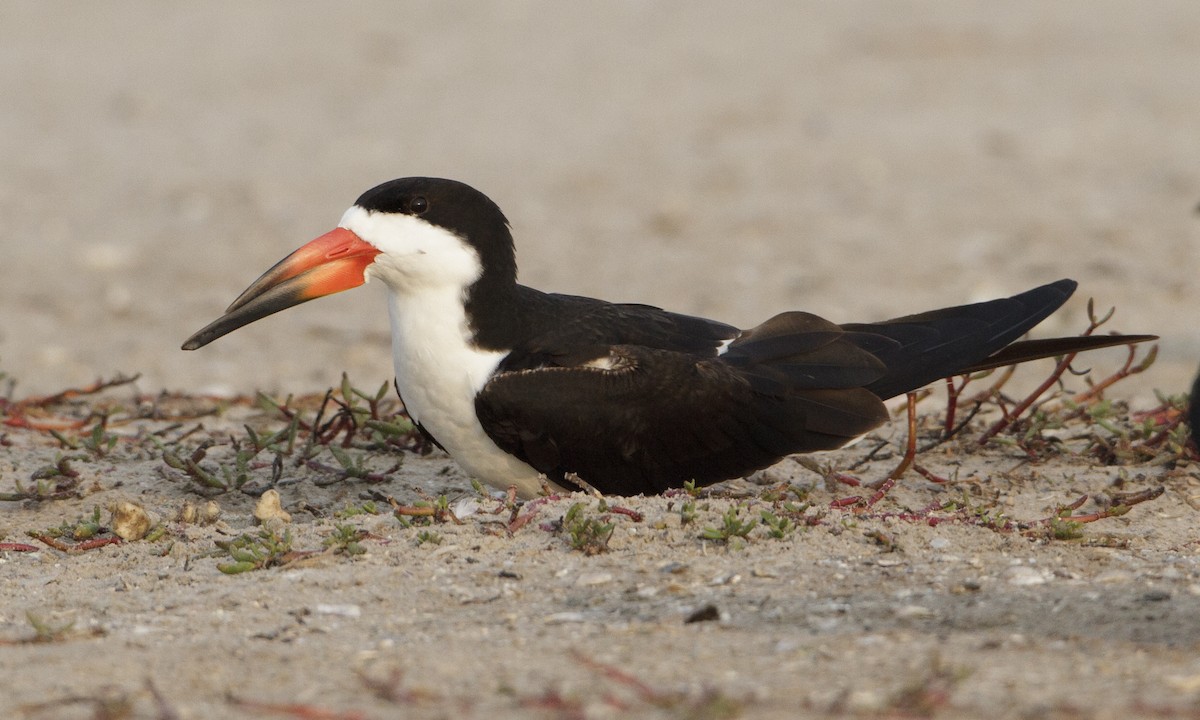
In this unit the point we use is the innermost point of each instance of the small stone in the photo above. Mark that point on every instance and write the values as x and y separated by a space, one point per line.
913 612
939 543
191 514
1113 577
704 613
565 617
646 591
210 513
188 513
590 579
1024 575
864 701
342 610
967 586
270 507
130 521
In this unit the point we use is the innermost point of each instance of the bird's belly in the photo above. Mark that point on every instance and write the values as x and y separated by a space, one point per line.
438 382
450 417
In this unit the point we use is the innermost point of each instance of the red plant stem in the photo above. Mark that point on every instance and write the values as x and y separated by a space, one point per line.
846 501
1073 506
52 542
645 691
522 520
299 710
628 512
414 510
1126 370
910 450
881 492
951 406
1022 406
95 543
18 547
845 479
929 475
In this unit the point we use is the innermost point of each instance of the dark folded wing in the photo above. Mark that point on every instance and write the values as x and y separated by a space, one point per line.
634 420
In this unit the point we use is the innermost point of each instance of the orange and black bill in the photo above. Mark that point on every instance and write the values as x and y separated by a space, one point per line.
334 262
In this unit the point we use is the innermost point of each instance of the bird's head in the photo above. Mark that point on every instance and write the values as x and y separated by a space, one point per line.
413 234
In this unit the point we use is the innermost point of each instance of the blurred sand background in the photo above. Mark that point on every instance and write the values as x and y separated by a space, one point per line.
860 160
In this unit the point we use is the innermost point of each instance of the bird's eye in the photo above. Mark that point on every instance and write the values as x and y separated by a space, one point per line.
418 205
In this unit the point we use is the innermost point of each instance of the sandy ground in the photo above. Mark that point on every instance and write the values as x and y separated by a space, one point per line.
951 599
857 159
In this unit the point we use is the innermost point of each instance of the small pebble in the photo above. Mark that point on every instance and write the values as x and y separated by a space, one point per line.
270 507
1024 575
726 579
188 513
646 591
590 579
913 612
130 521
704 613
342 610
565 617
205 514
865 701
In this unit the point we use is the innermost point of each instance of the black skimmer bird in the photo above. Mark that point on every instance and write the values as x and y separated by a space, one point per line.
523 387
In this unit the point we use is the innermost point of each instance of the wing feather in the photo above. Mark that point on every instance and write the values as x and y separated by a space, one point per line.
662 418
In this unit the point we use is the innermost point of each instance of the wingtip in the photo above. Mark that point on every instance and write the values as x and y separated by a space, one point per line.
1067 285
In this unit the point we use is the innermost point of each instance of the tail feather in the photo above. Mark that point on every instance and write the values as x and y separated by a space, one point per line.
1026 350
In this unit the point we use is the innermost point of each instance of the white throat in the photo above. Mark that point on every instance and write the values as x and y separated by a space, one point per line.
439 369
